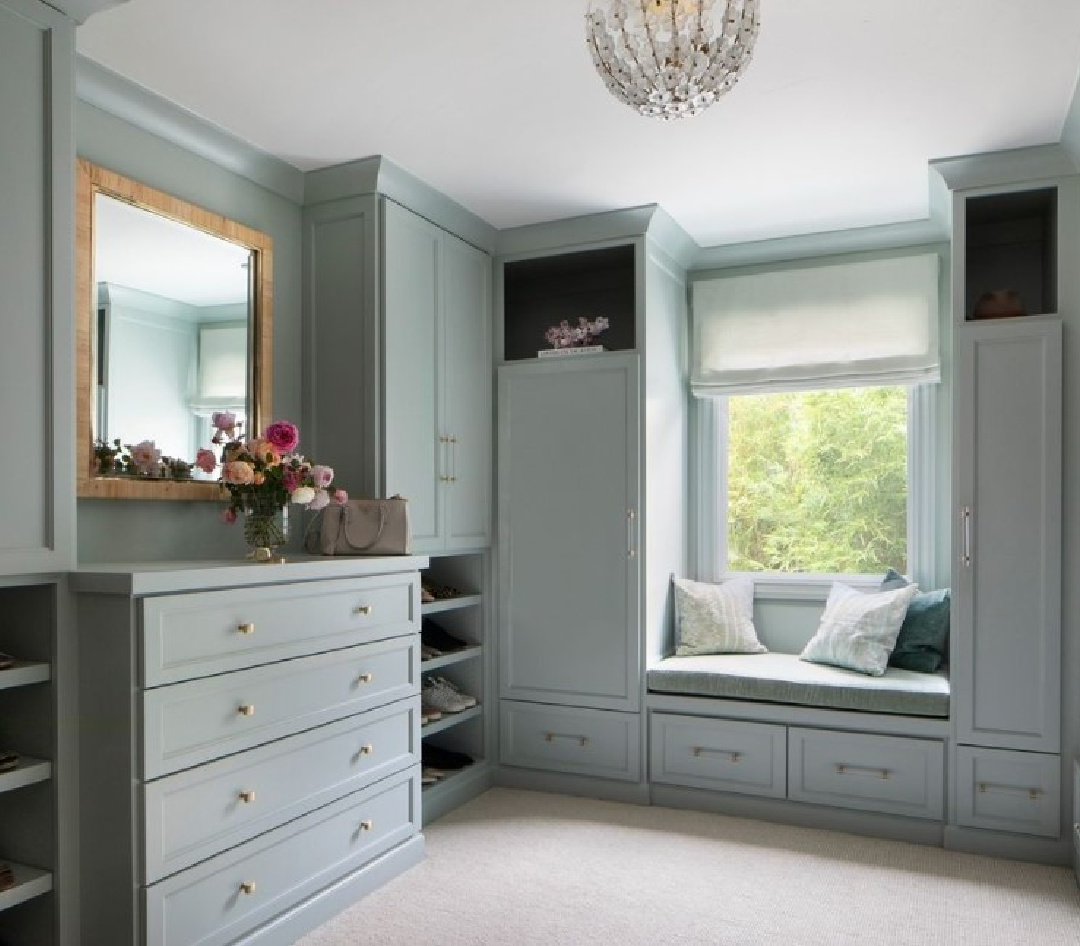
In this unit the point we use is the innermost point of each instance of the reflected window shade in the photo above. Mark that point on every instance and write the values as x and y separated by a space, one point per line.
222 365
845 325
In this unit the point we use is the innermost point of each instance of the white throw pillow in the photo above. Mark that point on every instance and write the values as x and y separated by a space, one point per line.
715 619
858 631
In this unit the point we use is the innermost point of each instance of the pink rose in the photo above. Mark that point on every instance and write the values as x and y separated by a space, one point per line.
283 435
223 420
263 450
228 515
290 479
146 457
340 497
322 498
238 473
322 475
206 461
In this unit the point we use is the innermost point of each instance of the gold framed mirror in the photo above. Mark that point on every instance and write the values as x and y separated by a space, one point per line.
173 323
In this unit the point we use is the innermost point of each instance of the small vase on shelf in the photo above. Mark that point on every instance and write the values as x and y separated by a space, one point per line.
266 528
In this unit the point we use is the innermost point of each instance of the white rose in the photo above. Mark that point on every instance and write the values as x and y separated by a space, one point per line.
302 495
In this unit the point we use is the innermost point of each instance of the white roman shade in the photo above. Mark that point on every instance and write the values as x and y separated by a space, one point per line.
841 325
222 374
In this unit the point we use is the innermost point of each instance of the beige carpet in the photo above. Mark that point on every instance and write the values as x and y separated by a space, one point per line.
515 868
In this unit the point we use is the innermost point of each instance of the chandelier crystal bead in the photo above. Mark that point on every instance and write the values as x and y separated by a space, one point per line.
671 58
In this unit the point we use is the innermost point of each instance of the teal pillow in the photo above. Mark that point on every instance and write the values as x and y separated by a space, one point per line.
923 642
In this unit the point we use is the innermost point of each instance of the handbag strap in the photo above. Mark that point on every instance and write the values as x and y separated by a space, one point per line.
342 521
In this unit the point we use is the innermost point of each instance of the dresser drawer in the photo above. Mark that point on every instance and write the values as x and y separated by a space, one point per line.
1008 791
565 739
196 635
729 755
187 724
196 814
889 774
226 897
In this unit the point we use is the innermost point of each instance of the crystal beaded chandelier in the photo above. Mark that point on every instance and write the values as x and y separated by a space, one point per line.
671 58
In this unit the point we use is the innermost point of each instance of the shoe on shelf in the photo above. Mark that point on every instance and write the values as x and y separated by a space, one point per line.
429 653
438 638
439 693
428 714
7 877
428 777
443 760
9 761
432 591
6 661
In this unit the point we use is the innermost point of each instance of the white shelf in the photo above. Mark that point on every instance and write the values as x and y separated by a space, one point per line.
24 673
27 772
454 657
450 719
29 883
450 604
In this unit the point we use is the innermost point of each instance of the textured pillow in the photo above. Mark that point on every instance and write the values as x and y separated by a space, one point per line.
923 642
715 619
858 631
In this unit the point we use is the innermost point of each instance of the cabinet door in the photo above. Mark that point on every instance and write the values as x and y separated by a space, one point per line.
466 402
413 451
37 234
1006 637
568 567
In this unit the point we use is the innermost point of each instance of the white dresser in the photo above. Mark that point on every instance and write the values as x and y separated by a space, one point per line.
249 745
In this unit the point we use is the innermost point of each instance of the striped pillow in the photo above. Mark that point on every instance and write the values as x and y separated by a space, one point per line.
715 619
858 631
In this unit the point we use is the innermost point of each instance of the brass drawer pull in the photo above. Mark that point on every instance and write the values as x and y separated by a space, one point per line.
247 887
362 609
367 750
705 750
1033 793
246 709
246 628
366 825
843 768
582 741
247 797
364 678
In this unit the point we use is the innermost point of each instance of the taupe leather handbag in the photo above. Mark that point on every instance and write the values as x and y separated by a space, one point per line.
362 527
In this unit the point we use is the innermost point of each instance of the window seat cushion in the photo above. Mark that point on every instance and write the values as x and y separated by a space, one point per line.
784 678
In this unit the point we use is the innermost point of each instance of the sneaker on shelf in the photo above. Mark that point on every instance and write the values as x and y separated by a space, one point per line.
436 637
431 591
428 777
7 877
443 760
9 761
426 597
429 653
6 661
438 693
428 714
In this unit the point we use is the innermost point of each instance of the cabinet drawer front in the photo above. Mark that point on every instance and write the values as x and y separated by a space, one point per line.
563 739
890 774
723 754
196 635
194 815
1008 791
190 723
221 900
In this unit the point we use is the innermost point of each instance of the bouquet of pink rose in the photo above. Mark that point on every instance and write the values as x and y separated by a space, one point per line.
263 474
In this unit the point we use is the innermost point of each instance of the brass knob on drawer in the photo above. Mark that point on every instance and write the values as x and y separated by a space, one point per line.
247 887
246 628
247 797
362 609
364 678
366 825
367 750
246 709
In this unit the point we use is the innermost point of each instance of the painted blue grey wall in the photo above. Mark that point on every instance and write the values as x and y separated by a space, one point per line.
1070 134
110 530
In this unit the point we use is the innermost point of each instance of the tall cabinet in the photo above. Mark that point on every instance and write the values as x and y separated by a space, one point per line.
1006 651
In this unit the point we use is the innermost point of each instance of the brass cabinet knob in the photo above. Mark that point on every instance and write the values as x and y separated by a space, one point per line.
367 750
246 709
247 797
362 609
366 825
247 887
364 678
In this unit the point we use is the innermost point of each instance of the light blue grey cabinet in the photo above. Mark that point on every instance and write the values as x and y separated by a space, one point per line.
37 242
1006 648
437 388
569 487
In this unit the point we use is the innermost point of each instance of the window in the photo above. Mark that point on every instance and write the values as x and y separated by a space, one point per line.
817 481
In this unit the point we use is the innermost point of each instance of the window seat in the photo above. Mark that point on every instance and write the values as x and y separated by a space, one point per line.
784 678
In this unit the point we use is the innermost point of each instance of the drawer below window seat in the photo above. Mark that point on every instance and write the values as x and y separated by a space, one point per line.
784 678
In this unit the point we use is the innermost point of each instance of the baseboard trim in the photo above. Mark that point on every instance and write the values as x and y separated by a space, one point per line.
581 786
799 814
1017 847
287 928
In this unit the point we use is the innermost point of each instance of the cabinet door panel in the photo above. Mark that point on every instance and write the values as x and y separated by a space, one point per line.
568 477
1006 660
413 452
466 342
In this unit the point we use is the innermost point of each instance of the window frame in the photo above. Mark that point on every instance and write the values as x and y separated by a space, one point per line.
709 470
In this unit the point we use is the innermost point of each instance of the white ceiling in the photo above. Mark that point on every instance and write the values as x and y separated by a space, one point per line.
496 103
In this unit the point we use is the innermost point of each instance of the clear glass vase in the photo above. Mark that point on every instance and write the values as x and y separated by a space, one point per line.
266 529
